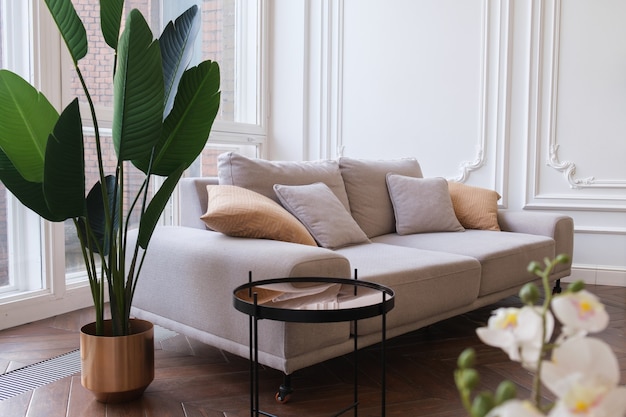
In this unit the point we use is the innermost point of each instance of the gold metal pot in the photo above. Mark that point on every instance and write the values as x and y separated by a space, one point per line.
117 368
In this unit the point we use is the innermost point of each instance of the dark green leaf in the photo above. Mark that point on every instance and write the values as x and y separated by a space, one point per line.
64 169
29 193
97 217
150 217
138 91
176 44
70 26
26 120
187 127
110 20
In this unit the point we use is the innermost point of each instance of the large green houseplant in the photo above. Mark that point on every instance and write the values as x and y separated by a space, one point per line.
163 114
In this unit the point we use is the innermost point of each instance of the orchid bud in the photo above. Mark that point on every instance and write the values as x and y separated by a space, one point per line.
576 286
506 391
534 267
468 379
562 258
483 403
529 294
466 359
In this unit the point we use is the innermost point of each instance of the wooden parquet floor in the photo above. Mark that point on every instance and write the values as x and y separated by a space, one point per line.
194 380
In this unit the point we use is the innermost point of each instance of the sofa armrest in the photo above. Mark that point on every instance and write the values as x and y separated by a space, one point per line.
193 200
557 226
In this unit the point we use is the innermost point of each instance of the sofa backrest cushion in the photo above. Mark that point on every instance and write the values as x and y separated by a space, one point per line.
260 175
366 186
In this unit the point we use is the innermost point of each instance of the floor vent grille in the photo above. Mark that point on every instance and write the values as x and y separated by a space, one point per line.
32 376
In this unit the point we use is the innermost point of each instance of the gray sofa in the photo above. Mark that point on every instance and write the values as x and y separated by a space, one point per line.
190 271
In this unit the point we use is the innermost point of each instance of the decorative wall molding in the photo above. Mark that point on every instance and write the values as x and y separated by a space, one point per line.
568 168
493 101
569 171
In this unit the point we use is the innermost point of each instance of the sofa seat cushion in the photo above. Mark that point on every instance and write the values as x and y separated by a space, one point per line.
426 283
503 256
260 175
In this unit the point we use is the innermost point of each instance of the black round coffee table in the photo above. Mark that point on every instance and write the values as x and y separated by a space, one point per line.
312 300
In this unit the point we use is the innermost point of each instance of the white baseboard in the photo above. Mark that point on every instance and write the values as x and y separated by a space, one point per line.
598 275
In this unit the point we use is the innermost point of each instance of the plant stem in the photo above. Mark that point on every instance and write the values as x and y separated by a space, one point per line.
536 387
98 301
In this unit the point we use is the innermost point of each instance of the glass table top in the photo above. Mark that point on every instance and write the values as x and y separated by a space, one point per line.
313 299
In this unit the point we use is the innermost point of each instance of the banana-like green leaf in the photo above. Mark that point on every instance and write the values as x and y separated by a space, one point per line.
138 91
110 20
97 216
29 193
26 120
64 169
150 217
188 125
70 26
176 44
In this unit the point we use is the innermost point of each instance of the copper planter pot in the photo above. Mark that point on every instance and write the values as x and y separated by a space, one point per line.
117 368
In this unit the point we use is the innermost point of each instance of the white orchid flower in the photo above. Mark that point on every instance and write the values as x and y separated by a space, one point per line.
518 332
515 408
584 374
584 400
580 313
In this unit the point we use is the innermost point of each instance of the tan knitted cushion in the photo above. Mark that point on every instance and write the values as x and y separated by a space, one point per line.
236 211
475 207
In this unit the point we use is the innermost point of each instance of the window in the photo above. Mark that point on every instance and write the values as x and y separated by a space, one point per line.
231 34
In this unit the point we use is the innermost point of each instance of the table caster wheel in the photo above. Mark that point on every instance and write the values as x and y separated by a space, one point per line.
282 398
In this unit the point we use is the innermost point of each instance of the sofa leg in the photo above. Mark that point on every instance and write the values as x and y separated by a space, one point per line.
557 287
285 390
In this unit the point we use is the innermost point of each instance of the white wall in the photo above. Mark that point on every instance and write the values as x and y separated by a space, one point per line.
525 97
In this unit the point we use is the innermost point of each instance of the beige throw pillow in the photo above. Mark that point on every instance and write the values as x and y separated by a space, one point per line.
475 207
422 205
236 211
322 214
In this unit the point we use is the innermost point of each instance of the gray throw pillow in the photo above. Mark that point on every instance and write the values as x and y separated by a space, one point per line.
322 214
422 205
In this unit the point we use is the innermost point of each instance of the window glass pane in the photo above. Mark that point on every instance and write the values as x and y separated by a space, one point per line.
206 165
97 65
